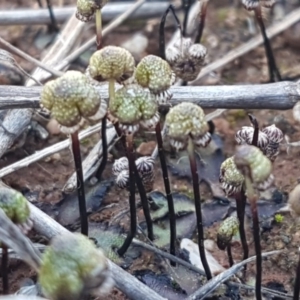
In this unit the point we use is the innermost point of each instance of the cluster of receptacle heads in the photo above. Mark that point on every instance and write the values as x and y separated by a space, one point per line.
255 161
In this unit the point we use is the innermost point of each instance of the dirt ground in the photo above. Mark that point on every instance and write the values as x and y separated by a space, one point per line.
226 28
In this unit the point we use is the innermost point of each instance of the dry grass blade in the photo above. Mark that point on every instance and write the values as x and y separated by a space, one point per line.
12 236
91 162
23 163
272 31
224 276
111 26
29 58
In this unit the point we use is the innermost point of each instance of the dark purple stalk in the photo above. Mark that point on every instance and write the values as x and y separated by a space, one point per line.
202 17
256 234
104 149
169 196
186 7
273 70
162 42
145 203
297 282
254 122
80 183
241 200
195 178
229 254
133 223
4 270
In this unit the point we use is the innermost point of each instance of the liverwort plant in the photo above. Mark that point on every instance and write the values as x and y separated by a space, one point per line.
256 169
185 58
156 74
71 99
73 268
110 64
226 231
187 127
16 208
86 10
232 182
134 106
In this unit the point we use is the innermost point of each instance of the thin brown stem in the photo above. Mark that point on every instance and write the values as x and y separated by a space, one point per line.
4 270
145 204
133 223
254 122
195 178
273 70
297 282
256 234
80 183
169 196
229 254
104 149
241 200
202 17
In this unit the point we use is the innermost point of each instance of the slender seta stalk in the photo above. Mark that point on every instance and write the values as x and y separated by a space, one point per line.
297 281
254 122
132 177
98 17
4 270
111 92
80 183
229 254
169 196
256 234
241 200
145 204
195 178
273 70
202 17
186 7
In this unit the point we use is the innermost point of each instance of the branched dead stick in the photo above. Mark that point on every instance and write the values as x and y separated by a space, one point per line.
110 11
224 276
111 26
125 282
11 235
279 96
29 58
272 31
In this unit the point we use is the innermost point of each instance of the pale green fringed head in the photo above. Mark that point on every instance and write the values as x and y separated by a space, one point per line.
154 73
87 8
134 106
260 167
187 120
72 97
72 267
111 62
230 177
227 229
15 205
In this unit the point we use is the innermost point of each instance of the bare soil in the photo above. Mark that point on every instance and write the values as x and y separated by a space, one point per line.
226 28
